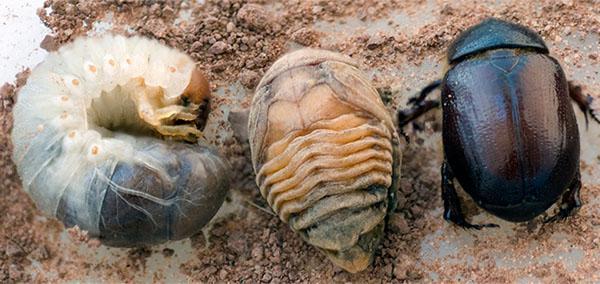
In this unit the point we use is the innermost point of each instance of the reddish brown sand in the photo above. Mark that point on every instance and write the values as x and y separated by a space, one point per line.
401 46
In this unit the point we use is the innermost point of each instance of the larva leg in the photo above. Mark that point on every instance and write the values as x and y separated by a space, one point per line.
178 130
144 106
169 112
172 112
186 116
166 119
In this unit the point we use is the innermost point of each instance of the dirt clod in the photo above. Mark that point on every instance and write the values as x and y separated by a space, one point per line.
49 43
254 16
218 47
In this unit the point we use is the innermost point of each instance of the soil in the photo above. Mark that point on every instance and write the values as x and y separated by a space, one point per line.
401 45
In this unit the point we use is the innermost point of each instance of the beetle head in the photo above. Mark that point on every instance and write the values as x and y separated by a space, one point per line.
494 33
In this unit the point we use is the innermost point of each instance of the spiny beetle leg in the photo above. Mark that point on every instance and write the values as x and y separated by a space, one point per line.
452 209
419 105
570 202
584 102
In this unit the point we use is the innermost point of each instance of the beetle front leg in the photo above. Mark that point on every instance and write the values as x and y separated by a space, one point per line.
452 209
570 202
584 102
418 105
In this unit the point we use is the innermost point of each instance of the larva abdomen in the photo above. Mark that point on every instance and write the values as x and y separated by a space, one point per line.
163 208
325 153
87 141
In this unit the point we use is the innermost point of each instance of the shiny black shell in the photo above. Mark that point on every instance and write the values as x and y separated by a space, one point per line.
509 129
494 34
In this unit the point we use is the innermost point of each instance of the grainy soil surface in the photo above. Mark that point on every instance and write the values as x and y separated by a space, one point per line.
401 45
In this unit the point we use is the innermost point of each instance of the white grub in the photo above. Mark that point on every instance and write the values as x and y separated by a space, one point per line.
89 129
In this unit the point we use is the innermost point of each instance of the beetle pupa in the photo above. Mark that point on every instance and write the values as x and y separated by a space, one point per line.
325 153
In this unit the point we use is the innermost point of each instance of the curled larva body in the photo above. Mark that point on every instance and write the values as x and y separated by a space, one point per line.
325 153
88 136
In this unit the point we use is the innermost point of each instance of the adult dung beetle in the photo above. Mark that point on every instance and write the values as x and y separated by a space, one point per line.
509 131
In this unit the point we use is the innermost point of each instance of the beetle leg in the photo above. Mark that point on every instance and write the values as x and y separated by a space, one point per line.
452 209
408 115
570 202
584 102
425 92
418 105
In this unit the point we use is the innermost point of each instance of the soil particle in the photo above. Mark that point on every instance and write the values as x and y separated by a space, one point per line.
218 47
257 253
167 252
49 43
249 78
305 36
78 235
376 40
254 17
41 253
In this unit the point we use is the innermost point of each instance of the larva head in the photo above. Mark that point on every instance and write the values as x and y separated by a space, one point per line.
182 117
198 92
324 150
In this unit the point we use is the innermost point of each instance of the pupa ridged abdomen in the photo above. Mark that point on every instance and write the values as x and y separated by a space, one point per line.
325 153
88 148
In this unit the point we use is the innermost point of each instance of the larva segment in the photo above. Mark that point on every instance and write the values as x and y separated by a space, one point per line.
325 153
88 141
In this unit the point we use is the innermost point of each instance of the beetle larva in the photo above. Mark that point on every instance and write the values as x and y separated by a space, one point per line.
89 141
325 153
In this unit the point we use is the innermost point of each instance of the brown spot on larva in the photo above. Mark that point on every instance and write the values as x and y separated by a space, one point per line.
75 82
111 62
172 69
71 134
128 61
94 150
64 98
92 68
